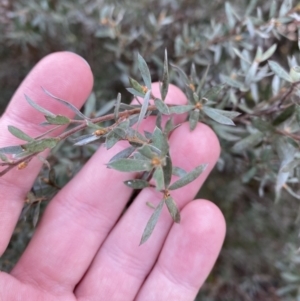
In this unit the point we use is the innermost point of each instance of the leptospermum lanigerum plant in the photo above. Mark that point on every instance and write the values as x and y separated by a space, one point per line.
148 153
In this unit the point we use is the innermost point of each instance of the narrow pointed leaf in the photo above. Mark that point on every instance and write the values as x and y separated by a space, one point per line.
19 134
216 116
137 184
152 222
279 71
40 145
3 158
146 151
193 119
15 149
85 139
113 137
158 120
268 53
39 108
136 86
125 153
165 79
144 71
161 106
173 209
130 165
117 107
158 176
144 106
160 141
36 214
67 104
58 119
135 92
167 169
213 92
232 82
189 177
181 109
248 142
203 80
105 109
179 172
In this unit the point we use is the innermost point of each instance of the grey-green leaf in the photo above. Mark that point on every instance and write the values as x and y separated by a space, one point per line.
144 106
168 169
193 119
152 222
161 106
144 71
67 104
279 71
160 141
146 151
137 183
39 108
40 145
216 116
130 165
14 149
85 139
248 142
19 134
59 120
135 92
173 209
165 79
179 172
181 109
117 106
189 177
158 176
125 153
3 158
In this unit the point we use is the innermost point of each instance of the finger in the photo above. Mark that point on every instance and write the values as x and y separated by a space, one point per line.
121 263
188 254
64 74
79 219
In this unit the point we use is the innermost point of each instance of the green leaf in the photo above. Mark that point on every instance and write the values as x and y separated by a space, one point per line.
283 116
267 54
179 172
125 153
158 176
114 136
230 15
298 114
189 177
203 80
39 108
3 158
181 109
158 121
130 165
135 92
144 71
137 184
136 86
67 104
146 151
117 107
40 145
295 74
232 82
182 74
36 214
193 119
165 79
85 139
144 106
161 106
160 141
105 108
167 170
213 92
19 134
173 209
152 222
90 105
248 142
279 71
215 115
15 149
262 125
58 119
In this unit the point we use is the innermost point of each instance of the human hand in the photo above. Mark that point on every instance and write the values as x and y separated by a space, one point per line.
82 249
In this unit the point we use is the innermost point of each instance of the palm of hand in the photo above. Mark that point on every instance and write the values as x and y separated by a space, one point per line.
81 250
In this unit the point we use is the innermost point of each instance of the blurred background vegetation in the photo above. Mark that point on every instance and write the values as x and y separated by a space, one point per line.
260 259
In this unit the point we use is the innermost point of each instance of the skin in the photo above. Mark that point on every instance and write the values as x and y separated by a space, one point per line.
82 249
